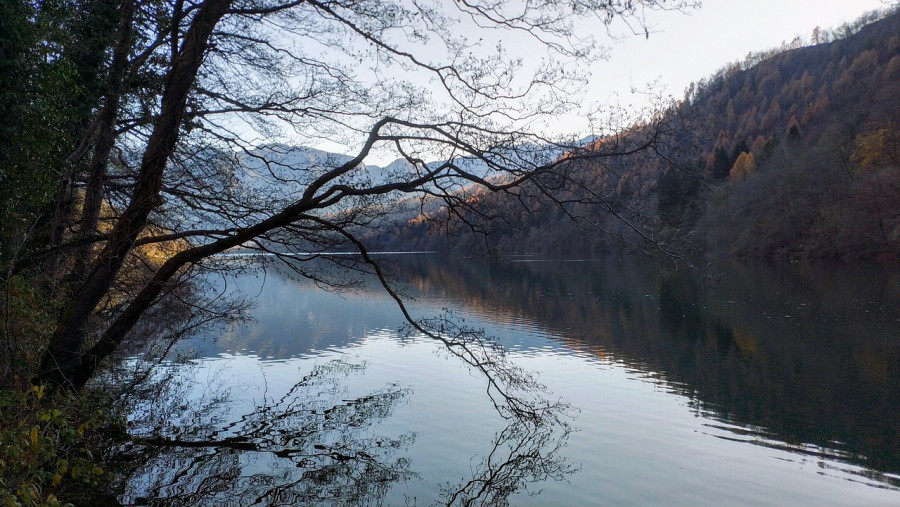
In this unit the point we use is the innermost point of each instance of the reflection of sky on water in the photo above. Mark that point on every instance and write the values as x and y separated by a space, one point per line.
642 436
640 444
635 441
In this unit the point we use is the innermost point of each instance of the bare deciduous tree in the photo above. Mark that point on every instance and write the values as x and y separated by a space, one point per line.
206 94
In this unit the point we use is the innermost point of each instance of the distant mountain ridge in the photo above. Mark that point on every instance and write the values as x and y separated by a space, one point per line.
281 170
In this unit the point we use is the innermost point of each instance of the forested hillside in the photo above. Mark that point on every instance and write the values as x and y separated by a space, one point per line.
792 153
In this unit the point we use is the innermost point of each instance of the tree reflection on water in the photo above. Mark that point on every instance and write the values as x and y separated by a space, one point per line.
317 445
525 452
310 445
528 449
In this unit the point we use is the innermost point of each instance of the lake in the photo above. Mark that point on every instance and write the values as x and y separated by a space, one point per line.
749 385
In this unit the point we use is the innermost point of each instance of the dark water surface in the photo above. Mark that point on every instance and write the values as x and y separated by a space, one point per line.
752 385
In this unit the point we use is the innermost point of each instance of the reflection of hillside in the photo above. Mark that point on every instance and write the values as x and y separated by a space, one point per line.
812 355
562 298
292 317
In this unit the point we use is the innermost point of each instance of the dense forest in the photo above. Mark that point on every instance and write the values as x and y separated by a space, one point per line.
792 153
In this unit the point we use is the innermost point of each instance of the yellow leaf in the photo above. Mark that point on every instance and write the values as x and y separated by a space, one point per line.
34 436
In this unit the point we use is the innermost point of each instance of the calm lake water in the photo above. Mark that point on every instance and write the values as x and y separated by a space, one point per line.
745 385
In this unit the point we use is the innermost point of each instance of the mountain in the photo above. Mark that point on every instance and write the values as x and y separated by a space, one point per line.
812 138
792 153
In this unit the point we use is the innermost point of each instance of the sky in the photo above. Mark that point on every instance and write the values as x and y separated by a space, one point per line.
687 47
684 48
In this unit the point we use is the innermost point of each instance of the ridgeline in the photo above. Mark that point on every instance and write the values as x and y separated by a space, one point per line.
793 153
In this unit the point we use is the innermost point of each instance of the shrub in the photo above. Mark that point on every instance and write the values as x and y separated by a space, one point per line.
53 447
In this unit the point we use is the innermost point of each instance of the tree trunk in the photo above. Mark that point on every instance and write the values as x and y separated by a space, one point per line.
64 357
112 337
62 209
93 193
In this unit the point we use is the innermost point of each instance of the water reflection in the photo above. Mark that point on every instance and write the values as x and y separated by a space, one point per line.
524 453
311 444
812 355
209 440
318 445
803 361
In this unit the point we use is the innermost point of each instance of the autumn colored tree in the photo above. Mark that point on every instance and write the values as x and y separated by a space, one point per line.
878 147
743 167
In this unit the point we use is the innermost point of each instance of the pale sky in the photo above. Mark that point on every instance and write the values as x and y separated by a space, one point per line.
685 48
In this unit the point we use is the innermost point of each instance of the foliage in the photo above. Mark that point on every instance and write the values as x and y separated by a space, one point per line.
54 448
34 88
878 147
679 193
804 136
785 213
743 167
27 316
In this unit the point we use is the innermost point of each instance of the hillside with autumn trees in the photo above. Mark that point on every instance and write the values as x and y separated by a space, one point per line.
792 153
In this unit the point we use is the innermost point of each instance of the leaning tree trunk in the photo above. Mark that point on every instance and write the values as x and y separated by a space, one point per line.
115 87
64 356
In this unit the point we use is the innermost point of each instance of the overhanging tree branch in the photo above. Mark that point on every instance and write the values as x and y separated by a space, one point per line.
212 82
